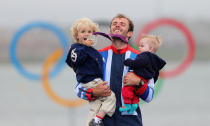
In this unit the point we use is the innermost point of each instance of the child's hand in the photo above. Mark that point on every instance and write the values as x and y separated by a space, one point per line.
88 42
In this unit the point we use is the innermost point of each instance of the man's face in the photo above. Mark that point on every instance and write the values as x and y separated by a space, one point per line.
120 26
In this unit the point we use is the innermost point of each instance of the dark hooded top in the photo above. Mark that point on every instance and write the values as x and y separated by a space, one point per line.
86 62
146 65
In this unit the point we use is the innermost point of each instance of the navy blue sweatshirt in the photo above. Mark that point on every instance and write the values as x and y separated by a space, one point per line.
86 62
146 65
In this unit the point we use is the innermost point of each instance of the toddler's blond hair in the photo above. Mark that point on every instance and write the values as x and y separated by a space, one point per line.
83 21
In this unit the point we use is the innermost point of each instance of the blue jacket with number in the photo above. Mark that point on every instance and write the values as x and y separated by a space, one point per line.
86 62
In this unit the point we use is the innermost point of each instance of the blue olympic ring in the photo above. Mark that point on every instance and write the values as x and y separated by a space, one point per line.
59 33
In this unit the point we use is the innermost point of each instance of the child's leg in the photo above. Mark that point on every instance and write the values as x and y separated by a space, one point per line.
94 105
135 99
127 93
134 106
109 104
99 116
94 109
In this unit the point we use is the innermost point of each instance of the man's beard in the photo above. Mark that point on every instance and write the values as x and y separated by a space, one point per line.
124 34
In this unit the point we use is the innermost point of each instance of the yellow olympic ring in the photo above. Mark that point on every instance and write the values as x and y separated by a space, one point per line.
45 79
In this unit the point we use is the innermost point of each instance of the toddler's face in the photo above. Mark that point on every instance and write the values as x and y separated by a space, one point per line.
83 33
144 45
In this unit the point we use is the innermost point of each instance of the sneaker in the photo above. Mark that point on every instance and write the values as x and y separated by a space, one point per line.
133 108
124 108
93 123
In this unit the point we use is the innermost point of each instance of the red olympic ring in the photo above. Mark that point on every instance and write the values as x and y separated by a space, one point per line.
190 41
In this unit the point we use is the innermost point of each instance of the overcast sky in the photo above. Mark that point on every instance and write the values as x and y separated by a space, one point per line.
19 12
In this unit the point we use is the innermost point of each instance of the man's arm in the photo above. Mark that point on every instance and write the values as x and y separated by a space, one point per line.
83 93
145 91
92 93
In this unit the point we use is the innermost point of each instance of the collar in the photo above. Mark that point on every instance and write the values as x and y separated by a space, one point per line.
120 51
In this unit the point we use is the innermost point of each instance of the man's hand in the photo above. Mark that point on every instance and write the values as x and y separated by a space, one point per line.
131 79
102 90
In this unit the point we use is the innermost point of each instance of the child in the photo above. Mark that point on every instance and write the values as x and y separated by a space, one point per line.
87 63
146 65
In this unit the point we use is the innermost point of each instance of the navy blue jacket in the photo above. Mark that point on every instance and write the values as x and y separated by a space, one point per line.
146 65
86 62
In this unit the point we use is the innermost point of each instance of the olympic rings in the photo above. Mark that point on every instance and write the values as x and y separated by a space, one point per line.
47 65
56 55
190 41
64 43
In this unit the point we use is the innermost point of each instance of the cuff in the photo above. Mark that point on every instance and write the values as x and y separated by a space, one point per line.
141 90
89 95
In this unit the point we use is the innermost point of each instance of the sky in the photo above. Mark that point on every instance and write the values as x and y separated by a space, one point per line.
18 12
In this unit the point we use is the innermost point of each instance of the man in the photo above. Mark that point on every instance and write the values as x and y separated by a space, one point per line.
115 72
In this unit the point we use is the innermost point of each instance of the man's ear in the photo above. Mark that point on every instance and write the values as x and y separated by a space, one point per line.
130 33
